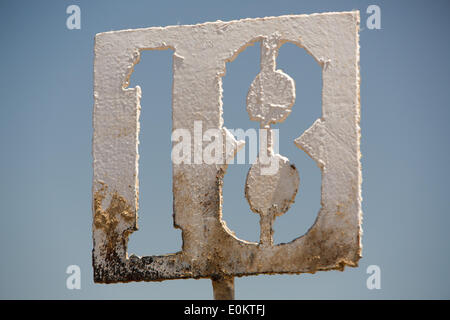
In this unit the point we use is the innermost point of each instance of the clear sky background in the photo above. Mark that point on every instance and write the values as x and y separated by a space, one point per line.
46 107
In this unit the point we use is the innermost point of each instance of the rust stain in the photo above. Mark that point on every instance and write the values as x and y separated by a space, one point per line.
108 219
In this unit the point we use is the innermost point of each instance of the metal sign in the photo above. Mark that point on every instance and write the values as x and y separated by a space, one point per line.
210 249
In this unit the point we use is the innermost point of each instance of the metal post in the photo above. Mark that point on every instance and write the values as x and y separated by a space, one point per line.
223 288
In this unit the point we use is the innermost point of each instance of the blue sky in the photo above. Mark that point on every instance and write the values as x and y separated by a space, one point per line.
46 132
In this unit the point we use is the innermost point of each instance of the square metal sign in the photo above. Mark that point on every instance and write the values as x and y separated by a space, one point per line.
210 249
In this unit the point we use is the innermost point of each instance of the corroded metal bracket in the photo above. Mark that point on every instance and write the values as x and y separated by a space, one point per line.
210 249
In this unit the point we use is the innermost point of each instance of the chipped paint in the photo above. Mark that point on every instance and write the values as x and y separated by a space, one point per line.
108 220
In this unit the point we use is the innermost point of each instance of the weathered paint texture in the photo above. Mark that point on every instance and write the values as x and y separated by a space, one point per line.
210 249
